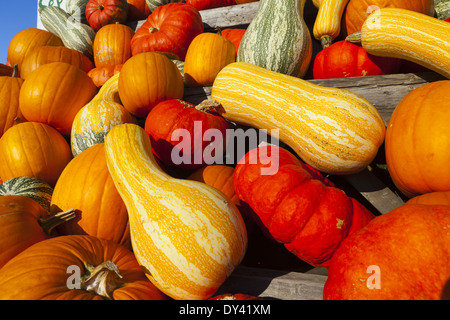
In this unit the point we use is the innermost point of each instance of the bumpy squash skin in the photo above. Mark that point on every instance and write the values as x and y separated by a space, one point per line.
333 130
278 38
186 235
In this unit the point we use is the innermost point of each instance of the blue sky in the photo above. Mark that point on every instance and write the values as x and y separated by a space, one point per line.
15 15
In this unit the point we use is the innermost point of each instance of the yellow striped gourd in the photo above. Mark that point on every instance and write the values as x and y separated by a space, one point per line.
327 25
186 235
334 130
409 35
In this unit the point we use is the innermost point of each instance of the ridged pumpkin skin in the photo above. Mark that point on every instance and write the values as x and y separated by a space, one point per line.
431 198
112 45
33 149
100 13
207 54
54 93
333 130
148 79
86 186
327 25
19 227
416 133
408 35
169 28
28 39
357 11
93 121
185 234
297 205
407 250
31 187
43 272
277 38
234 35
9 101
100 75
48 54
210 4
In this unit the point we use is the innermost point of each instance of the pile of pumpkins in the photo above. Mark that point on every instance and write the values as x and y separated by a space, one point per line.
93 205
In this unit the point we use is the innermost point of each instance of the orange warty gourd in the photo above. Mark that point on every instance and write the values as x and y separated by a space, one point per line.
47 54
400 255
147 79
415 135
357 11
53 94
48 271
112 45
28 39
86 186
33 149
207 54
9 100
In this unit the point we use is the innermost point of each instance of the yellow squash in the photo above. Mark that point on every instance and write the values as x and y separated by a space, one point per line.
334 130
327 26
405 34
187 235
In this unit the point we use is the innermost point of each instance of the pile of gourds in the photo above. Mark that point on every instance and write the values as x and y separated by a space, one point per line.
89 109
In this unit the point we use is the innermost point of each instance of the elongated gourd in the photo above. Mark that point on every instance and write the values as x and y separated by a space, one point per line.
404 34
187 235
278 38
327 26
333 130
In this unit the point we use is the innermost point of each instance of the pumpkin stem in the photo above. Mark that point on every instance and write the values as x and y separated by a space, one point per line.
326 41
153 30
354 37
219 30
102 279
210 105
49 223
15 73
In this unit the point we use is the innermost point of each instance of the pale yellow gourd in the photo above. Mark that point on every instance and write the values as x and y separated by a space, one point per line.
327 25
409 35
186 235
334 130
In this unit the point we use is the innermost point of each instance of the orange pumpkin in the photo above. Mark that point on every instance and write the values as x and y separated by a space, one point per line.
234 35
35 150
432 198
50 269
86 186
401 255
24 222
137 10
28 39
207 54
112 45
357 11
416 133
100 75
9 101
147 79
47 54
53 94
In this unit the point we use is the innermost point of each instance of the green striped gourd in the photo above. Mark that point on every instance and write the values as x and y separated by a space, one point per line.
334 130
153 4
74 35
76 9
31 187
278 38
93 121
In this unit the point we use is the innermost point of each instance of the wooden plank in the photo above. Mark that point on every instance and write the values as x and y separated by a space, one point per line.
275 284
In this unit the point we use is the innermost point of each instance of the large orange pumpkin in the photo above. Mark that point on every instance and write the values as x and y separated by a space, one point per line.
112 45
54 93
9 101
50 269
401 255
23 223
431 198
86 186
35 150
47 54
416 138
28 39
147 79
357 11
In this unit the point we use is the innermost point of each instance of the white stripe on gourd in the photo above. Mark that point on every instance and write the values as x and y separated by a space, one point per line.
327 25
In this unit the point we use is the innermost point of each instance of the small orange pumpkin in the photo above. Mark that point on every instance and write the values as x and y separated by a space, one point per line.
207 54
112 45
53 94
100 75
35 150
